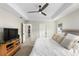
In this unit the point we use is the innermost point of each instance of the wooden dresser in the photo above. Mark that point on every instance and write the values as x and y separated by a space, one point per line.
9 48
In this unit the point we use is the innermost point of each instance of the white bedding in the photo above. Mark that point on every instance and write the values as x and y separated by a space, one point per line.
48 47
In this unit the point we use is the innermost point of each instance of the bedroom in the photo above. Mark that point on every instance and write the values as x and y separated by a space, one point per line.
63 19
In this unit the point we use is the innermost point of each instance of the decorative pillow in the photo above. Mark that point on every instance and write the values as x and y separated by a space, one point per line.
69 41
58 37
76 49
54 36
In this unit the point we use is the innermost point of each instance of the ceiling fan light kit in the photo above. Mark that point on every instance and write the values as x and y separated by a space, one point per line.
39 12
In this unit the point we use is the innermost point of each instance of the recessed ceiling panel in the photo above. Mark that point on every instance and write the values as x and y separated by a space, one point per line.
50 10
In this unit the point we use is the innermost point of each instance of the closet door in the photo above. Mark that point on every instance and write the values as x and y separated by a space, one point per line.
43 30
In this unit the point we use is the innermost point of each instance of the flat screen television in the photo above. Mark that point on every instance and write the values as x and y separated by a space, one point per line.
10 33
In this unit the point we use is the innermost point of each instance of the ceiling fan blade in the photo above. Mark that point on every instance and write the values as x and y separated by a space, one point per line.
44 6
32 11
43 13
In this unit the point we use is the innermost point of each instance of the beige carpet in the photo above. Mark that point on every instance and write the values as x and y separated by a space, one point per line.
26 48
24 51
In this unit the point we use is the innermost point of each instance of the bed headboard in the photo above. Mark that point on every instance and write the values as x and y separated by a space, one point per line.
72 31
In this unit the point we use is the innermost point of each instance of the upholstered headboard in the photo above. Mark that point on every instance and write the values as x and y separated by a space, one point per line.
72 31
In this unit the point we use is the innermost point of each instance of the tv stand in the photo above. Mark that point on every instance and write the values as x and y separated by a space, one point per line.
9 48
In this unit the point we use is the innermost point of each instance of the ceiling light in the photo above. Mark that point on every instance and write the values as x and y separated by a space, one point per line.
39 12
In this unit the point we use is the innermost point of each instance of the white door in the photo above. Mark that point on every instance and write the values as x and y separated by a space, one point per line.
46 30
26 35
43 30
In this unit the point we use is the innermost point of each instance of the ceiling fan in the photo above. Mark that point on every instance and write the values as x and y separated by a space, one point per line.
40 9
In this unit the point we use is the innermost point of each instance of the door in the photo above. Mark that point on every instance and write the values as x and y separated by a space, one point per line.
27 32
43 30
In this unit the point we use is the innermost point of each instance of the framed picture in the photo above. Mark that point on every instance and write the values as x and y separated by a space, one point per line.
59 27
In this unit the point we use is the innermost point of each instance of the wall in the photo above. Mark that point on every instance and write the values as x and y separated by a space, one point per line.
8 20
70 21
36 28
49 28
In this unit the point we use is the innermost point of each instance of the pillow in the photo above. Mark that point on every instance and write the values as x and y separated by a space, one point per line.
76 49
54 37
61 36
69 41
58 37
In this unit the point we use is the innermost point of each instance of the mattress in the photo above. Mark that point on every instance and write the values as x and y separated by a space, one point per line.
49 47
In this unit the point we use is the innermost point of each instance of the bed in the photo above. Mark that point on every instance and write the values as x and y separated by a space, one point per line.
49 47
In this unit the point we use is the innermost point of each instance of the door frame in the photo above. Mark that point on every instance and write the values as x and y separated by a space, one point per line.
23 32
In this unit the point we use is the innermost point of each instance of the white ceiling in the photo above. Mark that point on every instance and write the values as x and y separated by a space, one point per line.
50 10
53 11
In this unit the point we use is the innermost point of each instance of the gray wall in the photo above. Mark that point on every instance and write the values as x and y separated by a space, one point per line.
70 21
9 20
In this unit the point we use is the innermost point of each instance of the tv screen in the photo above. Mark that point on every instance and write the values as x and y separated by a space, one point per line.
10 33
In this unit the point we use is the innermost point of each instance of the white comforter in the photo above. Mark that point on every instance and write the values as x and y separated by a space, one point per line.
48 47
